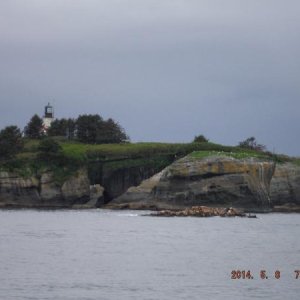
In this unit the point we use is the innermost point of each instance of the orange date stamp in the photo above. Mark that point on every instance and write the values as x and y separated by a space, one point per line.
262 274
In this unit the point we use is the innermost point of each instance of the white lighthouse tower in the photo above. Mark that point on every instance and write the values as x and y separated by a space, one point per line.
48 117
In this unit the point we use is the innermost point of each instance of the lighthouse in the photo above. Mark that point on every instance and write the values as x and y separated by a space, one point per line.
48 117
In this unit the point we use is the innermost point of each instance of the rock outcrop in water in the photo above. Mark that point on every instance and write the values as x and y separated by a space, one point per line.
201 211
16 191
213 181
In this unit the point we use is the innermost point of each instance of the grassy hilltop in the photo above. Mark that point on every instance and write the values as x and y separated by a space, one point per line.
111 157
82 153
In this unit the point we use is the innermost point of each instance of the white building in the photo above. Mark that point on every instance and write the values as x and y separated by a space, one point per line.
48 117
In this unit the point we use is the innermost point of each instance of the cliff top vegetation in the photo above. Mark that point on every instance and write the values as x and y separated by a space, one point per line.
238 154
74 152
69 144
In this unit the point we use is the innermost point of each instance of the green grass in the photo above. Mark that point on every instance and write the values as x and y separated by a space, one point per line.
75 151
118 156
155 162
105 158
239 154
111 156
142 150
30 145
83 153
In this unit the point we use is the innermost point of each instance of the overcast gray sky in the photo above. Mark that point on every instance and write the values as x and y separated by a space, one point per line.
166 70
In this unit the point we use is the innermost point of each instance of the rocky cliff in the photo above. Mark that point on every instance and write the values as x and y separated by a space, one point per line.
217 181
44 191
91 187
285 184
117 182
116 176
212 181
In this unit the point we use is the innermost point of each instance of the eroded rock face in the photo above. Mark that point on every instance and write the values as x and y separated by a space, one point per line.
217 180
96 198
117 182
16 191
76 188
137 196
50 191
285 184
212 181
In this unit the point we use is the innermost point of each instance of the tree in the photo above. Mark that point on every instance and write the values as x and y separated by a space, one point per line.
50 150
56 129
49 145
34 128
62 127
111 132
11 142
200 139
91 129
70 128
251 143
87 128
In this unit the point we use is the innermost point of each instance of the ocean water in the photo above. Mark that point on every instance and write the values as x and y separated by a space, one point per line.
102 254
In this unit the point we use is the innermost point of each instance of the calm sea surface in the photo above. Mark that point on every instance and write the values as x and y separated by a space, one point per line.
100 254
